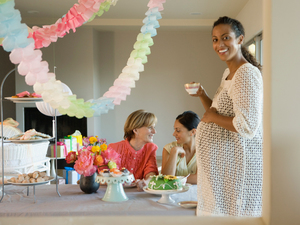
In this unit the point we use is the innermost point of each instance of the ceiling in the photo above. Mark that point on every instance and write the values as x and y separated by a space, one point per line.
130 13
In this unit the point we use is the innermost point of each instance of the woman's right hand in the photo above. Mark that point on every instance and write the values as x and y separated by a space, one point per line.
178 151
200 92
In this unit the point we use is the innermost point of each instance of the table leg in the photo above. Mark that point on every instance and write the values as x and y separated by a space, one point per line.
27 190
34 193
52 170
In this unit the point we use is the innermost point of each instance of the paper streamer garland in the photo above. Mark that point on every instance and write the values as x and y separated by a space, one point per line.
22 46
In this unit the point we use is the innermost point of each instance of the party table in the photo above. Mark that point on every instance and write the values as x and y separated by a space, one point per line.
73 202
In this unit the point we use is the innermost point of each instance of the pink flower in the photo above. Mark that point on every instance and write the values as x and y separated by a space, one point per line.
71 157
85 164
111 155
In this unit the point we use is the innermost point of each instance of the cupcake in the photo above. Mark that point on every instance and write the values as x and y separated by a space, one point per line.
105 173
116 173
125 171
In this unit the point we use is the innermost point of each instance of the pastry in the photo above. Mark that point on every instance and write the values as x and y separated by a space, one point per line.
40 179
35 174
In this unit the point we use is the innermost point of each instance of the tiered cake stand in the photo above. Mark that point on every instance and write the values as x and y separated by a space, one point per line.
115 191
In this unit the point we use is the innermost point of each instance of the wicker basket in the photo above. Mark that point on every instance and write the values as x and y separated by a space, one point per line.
16 155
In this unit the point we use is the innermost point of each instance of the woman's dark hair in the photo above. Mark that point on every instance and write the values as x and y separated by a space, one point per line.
238 29
189 120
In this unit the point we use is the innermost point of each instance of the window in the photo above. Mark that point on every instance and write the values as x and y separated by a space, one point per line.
255 46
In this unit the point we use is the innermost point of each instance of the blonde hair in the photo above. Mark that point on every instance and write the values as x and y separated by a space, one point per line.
138 119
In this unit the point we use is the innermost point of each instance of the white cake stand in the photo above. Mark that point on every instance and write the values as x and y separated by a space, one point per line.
166 195
115 191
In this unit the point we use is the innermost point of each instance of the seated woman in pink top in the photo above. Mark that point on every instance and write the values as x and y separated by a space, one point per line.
138 152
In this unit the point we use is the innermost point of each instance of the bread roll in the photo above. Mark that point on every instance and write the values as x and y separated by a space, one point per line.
40 179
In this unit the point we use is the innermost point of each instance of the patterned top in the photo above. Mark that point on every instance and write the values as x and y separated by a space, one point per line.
182 168
230 163
140 162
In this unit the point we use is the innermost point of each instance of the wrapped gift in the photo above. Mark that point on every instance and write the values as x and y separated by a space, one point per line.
70 142
78 137
70 175
61 181
61 150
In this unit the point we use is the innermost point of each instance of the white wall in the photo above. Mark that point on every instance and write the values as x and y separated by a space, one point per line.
89 61
283 43
251 16
176 58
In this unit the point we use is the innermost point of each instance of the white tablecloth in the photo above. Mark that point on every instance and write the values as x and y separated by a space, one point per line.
73 202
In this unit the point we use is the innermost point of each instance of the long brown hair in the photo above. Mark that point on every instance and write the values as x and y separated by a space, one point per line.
238 29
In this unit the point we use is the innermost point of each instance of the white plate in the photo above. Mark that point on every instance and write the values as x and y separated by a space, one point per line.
29 141
4 183
32 184
24 100
161 192
188 204
132 185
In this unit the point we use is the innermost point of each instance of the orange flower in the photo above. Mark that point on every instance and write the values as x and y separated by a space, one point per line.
98 160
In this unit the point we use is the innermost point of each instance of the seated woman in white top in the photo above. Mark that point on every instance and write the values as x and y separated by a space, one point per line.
179 157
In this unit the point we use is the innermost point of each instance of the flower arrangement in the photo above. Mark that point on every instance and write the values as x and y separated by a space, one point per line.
93 156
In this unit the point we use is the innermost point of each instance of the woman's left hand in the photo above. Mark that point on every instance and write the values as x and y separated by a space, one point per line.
140 185
209 115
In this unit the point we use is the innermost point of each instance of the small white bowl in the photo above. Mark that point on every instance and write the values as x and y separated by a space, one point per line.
192 88
116 175
105 174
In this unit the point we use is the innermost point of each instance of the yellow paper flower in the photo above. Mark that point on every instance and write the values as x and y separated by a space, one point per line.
103 147
93 140
95 149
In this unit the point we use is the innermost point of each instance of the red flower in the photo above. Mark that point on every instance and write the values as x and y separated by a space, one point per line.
71 157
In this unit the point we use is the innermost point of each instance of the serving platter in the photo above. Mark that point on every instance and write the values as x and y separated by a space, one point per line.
29 141
31 184
24 100
132 185
188 204
165 194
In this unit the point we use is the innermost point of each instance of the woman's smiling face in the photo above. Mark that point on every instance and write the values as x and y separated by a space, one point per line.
181 133
145 134
225 42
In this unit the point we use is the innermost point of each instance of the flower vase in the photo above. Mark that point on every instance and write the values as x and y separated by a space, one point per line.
88 184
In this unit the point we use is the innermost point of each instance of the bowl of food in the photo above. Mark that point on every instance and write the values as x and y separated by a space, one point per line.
192 88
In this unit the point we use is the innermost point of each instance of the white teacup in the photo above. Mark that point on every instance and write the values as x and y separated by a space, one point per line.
192 88
183 179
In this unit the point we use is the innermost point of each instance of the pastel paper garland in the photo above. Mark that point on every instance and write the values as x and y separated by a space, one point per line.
17 39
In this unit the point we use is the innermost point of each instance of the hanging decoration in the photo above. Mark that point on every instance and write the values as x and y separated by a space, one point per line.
24 44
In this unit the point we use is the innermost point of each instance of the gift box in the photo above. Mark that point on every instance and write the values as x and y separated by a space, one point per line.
78 137
70 142
61 150
70 175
